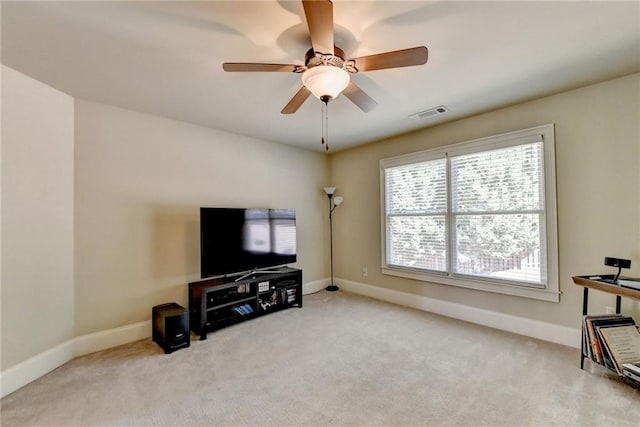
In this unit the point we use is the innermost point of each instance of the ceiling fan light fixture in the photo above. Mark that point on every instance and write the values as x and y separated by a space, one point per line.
325 80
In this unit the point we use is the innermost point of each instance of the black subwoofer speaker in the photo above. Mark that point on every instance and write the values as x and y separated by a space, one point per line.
170 326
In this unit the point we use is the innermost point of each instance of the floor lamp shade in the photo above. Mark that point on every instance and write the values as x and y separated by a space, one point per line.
329 190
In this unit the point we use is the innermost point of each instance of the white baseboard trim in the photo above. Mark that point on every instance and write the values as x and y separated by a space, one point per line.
519 325
41 364
103 340
315 286
23 373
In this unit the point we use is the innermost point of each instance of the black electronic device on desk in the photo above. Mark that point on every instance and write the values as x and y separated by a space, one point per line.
625 282
631 283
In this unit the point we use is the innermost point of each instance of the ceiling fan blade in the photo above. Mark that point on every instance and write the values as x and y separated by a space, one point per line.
319 14
248 66
297 100
358 97
393 59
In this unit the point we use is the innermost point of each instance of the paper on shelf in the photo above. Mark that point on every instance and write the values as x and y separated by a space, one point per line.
623 343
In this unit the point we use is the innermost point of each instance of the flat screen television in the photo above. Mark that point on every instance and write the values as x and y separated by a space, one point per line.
237 240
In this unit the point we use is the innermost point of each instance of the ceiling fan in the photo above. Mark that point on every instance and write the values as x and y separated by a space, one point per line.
326 72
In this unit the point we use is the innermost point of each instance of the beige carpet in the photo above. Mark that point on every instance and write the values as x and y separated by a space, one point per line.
341 360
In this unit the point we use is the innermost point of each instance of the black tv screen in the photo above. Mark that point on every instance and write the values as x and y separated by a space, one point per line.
236 240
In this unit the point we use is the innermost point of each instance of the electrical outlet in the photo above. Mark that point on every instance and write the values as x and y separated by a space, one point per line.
365 271
610 310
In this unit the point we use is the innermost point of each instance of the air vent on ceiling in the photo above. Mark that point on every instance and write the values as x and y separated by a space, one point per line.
440 109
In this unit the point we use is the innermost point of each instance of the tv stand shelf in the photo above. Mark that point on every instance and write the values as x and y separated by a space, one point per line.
220 302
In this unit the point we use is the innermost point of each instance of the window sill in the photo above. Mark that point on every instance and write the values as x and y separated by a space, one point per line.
481 285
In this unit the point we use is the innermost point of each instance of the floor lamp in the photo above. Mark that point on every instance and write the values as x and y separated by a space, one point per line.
334 202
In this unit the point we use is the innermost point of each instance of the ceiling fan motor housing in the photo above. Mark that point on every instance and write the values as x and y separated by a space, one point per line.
313 59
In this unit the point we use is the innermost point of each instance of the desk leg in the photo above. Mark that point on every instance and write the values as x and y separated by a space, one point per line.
585 305
618 299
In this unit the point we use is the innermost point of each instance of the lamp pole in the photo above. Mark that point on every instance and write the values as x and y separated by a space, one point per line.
333 204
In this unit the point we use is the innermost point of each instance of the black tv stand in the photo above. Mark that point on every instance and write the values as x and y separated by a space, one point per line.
220 302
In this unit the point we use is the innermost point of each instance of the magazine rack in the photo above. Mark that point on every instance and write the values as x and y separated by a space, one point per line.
600 283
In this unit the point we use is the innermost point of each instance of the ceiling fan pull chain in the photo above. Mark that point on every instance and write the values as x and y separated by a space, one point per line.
322 123
326 126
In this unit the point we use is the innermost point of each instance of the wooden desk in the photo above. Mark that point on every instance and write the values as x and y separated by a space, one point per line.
606 287
609 288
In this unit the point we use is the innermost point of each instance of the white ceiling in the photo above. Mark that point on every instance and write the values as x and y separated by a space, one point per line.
165 58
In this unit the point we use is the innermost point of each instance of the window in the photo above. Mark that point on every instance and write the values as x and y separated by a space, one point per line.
479 214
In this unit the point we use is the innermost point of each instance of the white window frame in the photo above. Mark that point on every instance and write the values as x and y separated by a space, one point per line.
550 291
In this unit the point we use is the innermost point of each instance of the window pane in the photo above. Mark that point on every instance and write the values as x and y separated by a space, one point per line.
417 242
420 187
500 246
507 179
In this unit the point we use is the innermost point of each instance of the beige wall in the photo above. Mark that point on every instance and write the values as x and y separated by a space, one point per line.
140 181
37 217
598 182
